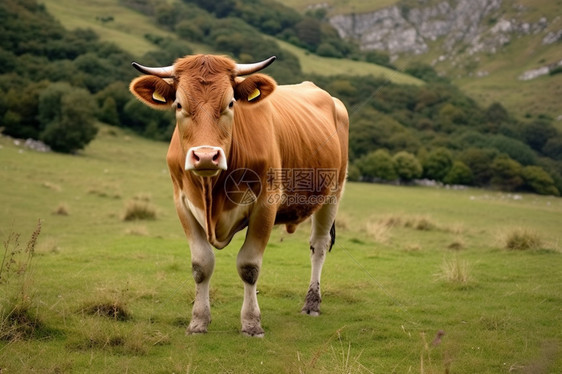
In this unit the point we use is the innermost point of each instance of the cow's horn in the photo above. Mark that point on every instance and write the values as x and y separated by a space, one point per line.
245 69
163 72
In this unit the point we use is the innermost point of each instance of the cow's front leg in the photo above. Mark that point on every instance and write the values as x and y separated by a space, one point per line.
249 263
202 266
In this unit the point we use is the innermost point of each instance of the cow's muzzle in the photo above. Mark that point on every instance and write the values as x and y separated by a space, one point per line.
205 161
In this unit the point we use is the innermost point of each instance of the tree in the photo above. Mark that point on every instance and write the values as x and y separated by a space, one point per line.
553 148
353 173
407 166
479 161
506 173
437 164
537 133
108 112
539 181
67 114
377 165
459 174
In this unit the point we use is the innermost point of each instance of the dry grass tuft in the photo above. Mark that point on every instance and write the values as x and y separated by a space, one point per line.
61 210
137 231
422 223
457 244
139 210
20 323
378 231
520 239
114 309
18 315
455 271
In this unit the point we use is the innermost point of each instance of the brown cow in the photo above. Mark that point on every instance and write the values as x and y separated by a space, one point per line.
248 153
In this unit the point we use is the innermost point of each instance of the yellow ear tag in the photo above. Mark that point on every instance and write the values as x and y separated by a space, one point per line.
254 94
158 98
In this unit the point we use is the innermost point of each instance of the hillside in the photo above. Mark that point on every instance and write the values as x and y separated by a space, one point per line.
128 29
496 50
400 130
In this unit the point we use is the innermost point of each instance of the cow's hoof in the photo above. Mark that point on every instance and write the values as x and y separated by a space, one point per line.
196 328
313 313
255 332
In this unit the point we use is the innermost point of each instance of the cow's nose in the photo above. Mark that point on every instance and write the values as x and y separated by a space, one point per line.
205 158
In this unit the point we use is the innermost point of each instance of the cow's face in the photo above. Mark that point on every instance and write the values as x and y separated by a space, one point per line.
204 92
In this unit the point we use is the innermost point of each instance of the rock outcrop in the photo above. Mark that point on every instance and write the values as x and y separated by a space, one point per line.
472 26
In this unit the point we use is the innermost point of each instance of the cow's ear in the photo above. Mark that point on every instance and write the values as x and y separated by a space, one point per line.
254 88
153 91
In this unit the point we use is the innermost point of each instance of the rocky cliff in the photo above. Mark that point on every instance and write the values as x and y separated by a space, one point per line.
467 26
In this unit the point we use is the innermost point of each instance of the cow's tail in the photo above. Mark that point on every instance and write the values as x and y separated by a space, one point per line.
333 235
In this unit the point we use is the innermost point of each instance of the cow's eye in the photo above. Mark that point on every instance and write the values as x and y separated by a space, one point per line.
231 104
178 106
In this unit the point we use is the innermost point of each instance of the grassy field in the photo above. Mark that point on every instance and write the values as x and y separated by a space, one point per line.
101 294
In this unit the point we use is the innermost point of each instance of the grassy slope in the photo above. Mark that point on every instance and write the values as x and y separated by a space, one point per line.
314 64
382 298
340 6
129 27
127 30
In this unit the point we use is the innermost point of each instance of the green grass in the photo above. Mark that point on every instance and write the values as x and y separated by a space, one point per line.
384 301
313 64
127 30
341 6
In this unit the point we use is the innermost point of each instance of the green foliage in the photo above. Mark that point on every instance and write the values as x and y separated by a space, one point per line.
437 164
407 166
424 72
479 161
537 133
67 115
459 173
506 173
553 148
353 173
539 181
377 165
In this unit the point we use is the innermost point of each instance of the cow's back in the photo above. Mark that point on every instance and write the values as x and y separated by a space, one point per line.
310 127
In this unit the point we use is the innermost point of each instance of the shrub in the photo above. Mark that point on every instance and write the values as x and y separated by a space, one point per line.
407 166
539 181
67 115
506 173
377 165
437 164
353 173
459 174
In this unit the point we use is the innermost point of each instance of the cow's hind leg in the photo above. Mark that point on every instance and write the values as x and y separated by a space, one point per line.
321 240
